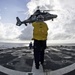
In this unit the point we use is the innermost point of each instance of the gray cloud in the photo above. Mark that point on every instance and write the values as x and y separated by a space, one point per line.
60 35
26 33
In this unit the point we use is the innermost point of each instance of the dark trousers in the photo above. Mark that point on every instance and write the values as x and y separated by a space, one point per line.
39 49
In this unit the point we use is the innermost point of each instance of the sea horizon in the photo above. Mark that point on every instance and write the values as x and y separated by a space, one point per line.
4 45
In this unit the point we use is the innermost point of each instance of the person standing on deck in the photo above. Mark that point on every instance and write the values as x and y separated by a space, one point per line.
30 45
40 33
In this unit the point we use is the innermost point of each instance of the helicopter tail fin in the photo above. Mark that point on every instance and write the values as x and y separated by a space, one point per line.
18 21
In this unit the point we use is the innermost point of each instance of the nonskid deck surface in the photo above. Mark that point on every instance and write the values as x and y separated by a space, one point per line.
20 61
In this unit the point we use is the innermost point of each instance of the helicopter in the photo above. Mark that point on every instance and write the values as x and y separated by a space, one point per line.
33 17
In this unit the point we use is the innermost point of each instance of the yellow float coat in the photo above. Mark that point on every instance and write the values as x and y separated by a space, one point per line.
40 30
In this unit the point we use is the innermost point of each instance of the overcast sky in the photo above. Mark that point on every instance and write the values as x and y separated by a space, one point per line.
62 28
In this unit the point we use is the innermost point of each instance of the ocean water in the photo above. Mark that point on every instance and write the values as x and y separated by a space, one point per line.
11 45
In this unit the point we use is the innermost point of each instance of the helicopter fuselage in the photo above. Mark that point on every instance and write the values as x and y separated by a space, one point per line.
47 16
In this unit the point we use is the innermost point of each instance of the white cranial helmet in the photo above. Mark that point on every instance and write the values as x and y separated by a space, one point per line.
40 18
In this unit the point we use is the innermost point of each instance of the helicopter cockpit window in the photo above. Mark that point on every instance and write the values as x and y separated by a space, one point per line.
34 17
